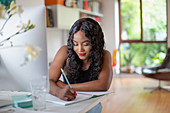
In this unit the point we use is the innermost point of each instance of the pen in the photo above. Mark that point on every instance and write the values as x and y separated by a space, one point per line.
65 78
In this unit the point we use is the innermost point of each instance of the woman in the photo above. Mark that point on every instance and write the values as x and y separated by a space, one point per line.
85 62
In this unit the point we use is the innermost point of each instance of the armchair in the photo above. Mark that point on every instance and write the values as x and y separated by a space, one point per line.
160 72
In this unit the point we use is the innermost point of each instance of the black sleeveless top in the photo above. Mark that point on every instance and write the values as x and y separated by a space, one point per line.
84 77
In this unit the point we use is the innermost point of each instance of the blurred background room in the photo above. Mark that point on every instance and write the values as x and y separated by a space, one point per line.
139 31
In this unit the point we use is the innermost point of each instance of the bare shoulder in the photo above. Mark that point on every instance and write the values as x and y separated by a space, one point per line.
106 53
58 63
62 53
64 48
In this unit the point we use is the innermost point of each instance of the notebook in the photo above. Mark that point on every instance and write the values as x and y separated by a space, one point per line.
81 96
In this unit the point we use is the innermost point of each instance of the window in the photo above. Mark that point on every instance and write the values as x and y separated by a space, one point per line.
143 31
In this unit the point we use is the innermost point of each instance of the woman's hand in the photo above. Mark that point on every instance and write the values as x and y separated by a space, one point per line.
64 93
67 93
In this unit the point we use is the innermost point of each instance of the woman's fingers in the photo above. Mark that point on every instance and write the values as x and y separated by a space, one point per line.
73 91
71 94
68 94
69 97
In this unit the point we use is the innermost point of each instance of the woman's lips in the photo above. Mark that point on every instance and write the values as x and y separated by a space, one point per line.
82 54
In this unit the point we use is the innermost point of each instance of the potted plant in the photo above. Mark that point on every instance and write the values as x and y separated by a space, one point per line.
128 58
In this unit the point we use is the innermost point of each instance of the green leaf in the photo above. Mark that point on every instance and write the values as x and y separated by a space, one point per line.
13 8
31 27
28 23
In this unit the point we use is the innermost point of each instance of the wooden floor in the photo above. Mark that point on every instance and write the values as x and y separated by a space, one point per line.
131 97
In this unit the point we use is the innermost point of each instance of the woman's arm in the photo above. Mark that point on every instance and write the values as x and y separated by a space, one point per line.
104 78
58 88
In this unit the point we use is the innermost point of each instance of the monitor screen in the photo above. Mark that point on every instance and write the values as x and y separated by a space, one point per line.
13 76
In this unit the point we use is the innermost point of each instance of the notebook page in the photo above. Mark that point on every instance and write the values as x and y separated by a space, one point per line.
56 100
94 93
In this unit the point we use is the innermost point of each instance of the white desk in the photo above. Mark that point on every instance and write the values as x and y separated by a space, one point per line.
81 107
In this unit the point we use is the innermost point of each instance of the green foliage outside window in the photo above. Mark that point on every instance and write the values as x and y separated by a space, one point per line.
158 58
130 19
142 54
154 19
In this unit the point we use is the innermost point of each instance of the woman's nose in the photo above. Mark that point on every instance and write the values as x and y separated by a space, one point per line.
81 48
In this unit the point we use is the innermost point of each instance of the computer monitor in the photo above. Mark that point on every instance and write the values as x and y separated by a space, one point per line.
13 76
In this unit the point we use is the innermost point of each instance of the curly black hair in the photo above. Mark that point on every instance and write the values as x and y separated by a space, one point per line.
94 33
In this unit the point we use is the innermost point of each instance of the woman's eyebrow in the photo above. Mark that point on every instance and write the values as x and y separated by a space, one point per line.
86 41
83 41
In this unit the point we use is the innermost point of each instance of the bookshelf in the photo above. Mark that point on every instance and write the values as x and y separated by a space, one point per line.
91 13
63 16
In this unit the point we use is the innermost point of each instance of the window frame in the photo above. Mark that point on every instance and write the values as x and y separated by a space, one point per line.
141 22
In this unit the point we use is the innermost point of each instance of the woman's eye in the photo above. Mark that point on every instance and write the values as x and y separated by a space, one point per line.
86 44
75 44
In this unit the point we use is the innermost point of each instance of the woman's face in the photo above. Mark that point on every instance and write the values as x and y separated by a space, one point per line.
81 45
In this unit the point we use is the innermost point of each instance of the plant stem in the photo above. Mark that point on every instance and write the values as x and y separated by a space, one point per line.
5 22
1 43
13 47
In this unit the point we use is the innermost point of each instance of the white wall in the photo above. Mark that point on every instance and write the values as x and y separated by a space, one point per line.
108 24
55 39
168 22
30 2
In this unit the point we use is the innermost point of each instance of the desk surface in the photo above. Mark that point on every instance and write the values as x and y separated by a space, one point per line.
81 107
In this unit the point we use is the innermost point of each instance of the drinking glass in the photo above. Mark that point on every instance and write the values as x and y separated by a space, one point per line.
39 90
